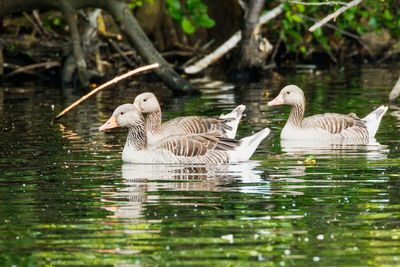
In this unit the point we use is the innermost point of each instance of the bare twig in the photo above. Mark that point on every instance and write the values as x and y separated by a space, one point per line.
334 15
27 69
229 44
344 32
328 3
36 17
104 85
115 46
31 21
278 44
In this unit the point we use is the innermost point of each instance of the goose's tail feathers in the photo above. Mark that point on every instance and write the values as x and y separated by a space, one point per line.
232 120
373 119
249 145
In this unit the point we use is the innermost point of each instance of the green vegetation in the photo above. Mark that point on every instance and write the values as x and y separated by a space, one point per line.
369 16
138 3
190 15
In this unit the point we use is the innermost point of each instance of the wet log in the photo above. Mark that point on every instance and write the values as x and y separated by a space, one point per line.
394 94
118 9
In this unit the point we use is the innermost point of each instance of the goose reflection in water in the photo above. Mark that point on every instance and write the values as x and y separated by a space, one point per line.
370 149
139 180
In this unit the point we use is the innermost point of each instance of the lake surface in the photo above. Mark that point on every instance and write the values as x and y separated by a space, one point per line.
67 199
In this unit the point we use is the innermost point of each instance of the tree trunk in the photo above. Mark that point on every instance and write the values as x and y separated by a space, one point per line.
249 53
70 16
129 26
253 49
144 47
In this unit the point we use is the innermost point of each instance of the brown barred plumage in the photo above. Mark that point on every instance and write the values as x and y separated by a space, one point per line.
187 149
325 126
148 104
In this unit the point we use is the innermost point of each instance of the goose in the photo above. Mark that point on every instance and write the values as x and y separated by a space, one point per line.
182 149
148 105
328 126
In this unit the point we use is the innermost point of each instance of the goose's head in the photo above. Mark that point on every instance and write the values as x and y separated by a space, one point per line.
290 95
125 115
146 103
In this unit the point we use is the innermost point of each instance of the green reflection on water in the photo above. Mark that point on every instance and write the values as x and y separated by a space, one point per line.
67 199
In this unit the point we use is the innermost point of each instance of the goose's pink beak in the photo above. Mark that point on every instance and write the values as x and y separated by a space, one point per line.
111 123
276 101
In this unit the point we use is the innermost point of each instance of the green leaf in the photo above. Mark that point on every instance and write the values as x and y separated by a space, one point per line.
373 22
57 22
288 15
195 5
297 18
318 32
176 14
187 26
388 15
174 4
296 35
300 8
286 24
204 20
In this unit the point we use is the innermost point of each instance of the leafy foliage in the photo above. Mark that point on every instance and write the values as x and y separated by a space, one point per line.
138 3
367 17
190 15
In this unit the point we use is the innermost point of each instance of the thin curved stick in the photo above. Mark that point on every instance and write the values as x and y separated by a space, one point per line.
104 85
334 15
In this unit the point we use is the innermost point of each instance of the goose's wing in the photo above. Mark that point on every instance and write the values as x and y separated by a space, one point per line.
333 123
195 125
193 145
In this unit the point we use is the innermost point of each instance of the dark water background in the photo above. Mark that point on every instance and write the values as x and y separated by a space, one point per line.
66 198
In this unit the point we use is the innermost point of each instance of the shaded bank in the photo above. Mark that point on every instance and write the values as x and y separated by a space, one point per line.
128 25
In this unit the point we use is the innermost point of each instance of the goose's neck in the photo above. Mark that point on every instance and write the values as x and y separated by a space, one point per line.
137 139
296 115
153 122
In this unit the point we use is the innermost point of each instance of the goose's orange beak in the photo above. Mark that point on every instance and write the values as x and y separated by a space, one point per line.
276 101
111 123
137 106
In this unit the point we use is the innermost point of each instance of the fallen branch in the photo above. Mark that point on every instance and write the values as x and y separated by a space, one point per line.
29 68
395 91
118 9
229 44
334 15
104 85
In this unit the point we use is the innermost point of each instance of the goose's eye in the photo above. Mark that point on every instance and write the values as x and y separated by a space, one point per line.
144 100
122 113
288 92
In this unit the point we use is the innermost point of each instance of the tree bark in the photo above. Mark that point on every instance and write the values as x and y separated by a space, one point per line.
253 48
128 23
229 44
250 56
70 16
144 47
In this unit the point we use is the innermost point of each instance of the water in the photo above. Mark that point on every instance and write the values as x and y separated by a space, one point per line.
66 198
